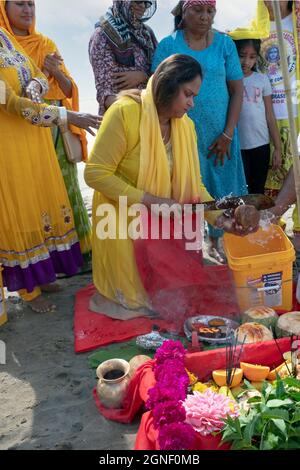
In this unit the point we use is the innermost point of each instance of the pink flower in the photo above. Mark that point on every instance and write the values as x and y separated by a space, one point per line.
176 436
170 350
207 411
167 413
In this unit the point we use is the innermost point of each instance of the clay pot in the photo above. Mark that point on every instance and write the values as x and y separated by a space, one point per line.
113 382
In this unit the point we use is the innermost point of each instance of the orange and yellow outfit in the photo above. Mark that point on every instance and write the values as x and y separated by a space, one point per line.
37 47
37 234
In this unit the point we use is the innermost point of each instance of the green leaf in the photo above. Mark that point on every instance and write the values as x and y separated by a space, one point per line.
271 441
292 382
268 390
280 390
248 385
242 445
280 424
275 414
295 396
249 430
292 444
254 400
263 442
295 417
279 403
228 435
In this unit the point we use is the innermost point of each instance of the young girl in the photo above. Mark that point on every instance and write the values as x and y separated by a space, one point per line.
257 121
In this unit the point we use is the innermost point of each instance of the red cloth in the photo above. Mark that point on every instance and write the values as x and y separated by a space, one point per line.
92 330
137 394
178 284
147 438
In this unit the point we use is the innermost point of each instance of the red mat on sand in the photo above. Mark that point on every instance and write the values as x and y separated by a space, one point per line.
93 330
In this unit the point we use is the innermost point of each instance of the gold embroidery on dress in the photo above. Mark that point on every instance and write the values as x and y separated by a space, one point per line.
67 214
46 219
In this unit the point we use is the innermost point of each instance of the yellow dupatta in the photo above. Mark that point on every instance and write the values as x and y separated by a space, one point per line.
260 29
154 174
37 46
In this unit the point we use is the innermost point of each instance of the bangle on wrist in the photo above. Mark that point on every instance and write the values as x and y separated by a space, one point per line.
63 117
227 136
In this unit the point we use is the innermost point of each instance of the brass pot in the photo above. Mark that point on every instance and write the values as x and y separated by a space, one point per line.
110 390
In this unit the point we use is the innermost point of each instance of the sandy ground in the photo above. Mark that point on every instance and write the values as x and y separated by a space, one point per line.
45 388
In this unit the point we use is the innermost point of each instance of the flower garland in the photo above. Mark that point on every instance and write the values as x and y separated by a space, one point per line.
167 396
180 417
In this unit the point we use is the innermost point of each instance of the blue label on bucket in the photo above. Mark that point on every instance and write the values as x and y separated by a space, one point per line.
274 277
266 290
272 289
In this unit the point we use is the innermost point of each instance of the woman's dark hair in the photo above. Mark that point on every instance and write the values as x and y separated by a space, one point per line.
290 6
170 75
255 43
178 16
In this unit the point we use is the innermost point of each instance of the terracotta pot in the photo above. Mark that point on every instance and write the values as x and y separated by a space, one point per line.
110 390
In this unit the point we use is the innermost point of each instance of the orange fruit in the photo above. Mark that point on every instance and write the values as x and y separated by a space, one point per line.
273 373
220 376
255 372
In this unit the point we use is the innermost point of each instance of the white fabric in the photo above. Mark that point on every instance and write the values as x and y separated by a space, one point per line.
272 66
253 127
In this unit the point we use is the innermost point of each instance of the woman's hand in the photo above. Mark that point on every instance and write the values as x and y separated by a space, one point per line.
277 159
52 63
34 91
84 121
220 149
151 200
162 205
128 80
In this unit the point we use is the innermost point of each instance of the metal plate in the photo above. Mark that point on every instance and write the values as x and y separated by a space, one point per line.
229 325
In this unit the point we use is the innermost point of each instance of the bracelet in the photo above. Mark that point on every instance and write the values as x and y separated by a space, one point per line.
63 117
227 136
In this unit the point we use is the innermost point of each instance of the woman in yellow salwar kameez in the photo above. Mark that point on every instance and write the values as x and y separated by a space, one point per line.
18 18
37 234
146 149
264 28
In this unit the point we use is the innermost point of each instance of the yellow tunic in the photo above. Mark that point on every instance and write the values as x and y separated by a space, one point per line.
113 171
37 235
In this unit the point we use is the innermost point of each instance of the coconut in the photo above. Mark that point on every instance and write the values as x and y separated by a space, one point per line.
288 325
253 333
264 315
136 362
247 216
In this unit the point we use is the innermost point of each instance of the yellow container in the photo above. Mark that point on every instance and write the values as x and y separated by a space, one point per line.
262 267
3 315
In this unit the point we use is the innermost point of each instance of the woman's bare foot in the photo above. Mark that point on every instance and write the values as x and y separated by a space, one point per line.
214 253
51 288
41 305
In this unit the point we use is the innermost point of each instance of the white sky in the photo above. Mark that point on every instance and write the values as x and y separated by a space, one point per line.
70 24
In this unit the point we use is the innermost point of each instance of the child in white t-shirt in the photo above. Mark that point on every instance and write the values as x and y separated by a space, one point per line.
257 121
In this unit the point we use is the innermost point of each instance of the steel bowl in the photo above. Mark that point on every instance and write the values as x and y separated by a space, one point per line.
227 328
